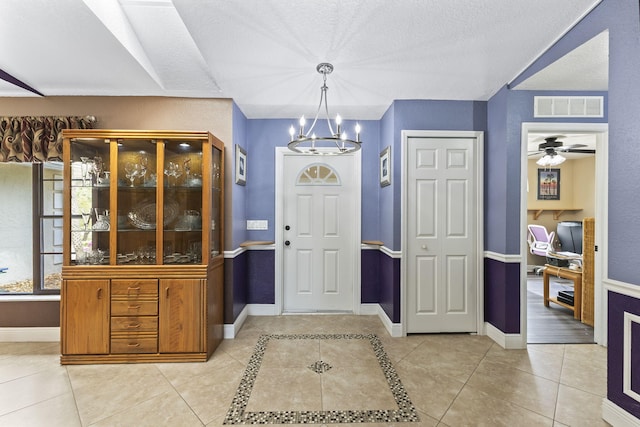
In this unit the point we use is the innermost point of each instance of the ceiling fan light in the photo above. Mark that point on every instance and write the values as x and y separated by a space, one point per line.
550 160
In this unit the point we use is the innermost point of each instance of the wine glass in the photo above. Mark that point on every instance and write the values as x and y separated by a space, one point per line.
173 170
186 164
91 170
83 169
144 163
98 168
86 218
131 171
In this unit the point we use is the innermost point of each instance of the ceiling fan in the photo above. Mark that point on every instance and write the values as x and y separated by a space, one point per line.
550 148
552 145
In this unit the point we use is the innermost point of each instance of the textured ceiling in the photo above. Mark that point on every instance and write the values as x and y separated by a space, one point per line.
263 53
586 67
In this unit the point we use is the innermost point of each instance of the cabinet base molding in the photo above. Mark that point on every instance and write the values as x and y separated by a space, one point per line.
78 359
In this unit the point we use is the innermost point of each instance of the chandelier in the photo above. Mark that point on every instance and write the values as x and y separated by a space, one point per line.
310 143
550 158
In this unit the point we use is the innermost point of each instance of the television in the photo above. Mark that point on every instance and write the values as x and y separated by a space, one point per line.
569 235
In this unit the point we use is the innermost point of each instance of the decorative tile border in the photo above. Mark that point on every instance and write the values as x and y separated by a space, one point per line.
406 412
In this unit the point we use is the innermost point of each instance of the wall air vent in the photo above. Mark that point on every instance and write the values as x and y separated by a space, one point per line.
568 106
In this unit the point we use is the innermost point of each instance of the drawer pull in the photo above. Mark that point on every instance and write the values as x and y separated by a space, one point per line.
134 307
130 288
133 344
133 325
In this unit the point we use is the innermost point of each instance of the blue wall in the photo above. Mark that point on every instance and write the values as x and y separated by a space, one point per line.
238 195
495 174
624 175
387 206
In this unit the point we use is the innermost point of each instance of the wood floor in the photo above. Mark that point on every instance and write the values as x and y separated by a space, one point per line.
553 324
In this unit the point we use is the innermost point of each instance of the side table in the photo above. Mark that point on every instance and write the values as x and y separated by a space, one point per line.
564 273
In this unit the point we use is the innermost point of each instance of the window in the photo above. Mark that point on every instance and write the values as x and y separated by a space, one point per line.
31 228
318 174
48 205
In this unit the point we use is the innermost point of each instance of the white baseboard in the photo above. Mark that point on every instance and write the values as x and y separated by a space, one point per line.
616 416
39 334
369 309
394 329
506 341
230 331
262 309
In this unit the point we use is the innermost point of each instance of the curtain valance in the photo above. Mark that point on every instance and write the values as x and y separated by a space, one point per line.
37 139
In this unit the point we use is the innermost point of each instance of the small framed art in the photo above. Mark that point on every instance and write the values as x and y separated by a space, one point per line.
548 184
241 165
385 167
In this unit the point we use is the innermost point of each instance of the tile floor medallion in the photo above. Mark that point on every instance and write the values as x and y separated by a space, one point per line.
399 405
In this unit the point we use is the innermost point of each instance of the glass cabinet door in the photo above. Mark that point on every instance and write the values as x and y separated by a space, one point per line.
216 202
136 214
90 201
137 198
182 208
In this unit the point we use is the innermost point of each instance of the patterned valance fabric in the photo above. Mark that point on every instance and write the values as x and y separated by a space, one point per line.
36 139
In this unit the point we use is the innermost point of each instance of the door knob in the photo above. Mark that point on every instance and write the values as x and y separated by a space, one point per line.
286 227
287 243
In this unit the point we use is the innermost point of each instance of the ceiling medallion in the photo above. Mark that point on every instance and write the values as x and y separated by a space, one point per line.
310 143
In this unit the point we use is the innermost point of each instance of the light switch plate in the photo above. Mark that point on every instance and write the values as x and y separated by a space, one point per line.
257 224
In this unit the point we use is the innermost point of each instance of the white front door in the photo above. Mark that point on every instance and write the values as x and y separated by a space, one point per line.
441 203
319 221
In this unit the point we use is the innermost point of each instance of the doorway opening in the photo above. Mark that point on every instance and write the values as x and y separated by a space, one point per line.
579 193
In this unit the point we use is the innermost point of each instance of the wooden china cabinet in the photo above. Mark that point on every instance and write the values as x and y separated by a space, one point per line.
143 257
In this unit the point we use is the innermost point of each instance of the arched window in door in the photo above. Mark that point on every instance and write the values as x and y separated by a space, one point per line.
318 174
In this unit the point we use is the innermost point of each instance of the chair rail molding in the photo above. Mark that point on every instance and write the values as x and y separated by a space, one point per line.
506 258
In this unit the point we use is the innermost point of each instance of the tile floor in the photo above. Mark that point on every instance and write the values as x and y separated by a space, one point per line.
448 380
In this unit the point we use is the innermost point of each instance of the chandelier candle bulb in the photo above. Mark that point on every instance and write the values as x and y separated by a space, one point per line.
292 132
302 122
357 132
338 123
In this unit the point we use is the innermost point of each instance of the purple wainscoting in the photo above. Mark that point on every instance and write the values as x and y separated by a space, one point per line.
370 276
618 305
261 277
235 287
389 298
502 295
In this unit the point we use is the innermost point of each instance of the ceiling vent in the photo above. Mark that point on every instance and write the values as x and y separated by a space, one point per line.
568 106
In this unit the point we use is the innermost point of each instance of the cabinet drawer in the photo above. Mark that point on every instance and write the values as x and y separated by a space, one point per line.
131 288
134 308
134 344
134 324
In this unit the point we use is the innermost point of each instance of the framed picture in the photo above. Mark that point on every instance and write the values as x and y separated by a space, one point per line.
385 167
241 165
548 184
